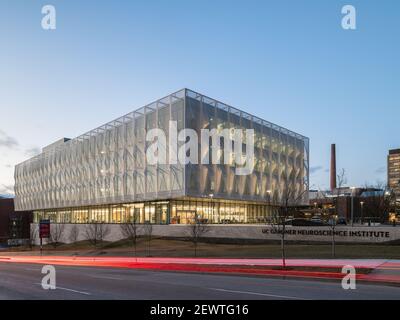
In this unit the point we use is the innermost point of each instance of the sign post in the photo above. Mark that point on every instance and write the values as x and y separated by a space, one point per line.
44 232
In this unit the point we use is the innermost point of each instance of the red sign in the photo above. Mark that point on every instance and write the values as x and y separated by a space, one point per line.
44 229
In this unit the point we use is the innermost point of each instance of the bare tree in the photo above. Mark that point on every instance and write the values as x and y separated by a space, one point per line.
131 230
96 232
56 233
291 197
148 231
196 230
379 203
74 233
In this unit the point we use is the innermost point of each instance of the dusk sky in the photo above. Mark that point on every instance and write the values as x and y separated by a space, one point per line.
288 62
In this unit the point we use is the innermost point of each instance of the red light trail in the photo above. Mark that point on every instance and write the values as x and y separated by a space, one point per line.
266 267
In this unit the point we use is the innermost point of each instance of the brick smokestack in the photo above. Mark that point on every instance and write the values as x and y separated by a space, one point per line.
333 167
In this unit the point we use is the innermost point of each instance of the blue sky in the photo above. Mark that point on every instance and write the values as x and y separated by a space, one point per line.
289 62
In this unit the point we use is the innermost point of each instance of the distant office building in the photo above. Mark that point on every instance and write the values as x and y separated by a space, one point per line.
394 171
103 175
367 204
14 226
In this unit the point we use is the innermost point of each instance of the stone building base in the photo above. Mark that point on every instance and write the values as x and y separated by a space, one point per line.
343 234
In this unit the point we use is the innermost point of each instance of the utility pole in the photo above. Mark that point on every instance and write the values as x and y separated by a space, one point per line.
352 206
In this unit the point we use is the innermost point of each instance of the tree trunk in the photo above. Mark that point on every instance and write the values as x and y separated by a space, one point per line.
283 246
333 243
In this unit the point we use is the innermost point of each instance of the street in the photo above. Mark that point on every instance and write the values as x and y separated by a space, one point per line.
23 281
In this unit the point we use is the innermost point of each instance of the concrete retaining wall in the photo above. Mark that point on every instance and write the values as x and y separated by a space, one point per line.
248 232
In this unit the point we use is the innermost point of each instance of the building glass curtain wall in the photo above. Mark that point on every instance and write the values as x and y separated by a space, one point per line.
281 156
104 176
177 211
394 171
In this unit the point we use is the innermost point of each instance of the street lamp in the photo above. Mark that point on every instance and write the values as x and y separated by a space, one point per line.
362 213
352 205
269 196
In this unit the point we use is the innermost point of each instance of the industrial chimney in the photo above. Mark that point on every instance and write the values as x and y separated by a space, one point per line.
333 167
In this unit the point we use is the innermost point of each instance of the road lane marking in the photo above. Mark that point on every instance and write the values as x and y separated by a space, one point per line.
102 277
70 290
31 269
259 294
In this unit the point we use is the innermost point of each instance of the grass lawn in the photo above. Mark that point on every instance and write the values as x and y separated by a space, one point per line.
180 248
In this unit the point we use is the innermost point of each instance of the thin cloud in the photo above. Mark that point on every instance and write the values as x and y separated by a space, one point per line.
6 189
32 152
315 169
7 141
380 170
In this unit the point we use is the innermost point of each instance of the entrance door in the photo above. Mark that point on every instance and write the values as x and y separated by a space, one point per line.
161 213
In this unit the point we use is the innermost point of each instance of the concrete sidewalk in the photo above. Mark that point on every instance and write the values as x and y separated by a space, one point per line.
389 271
323 263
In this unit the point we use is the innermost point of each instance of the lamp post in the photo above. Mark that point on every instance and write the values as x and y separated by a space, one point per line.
269 196
362 212
388 195
352 205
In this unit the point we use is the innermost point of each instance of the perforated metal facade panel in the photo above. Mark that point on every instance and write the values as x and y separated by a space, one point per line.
108 165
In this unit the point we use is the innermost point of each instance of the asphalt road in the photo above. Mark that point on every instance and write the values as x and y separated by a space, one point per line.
23 281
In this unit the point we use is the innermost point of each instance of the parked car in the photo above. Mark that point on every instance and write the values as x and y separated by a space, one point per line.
226 221
316 219
340 221
308 223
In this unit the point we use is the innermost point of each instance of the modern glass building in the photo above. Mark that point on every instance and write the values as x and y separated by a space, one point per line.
104 176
